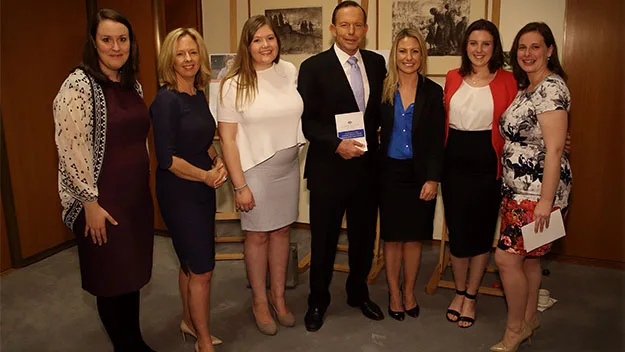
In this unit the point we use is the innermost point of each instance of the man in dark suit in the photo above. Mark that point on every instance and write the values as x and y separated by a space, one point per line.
340 174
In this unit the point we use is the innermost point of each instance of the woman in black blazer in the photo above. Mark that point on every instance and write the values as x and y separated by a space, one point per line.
412 143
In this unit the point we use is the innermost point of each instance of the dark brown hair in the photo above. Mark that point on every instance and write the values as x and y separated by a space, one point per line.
348 3
91 60
496 60
553 63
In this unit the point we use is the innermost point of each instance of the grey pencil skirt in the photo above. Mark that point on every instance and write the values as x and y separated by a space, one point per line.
275 186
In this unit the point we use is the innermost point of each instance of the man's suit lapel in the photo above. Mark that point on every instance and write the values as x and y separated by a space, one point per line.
337 75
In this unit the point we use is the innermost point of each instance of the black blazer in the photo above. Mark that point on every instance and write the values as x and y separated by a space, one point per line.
428 129
326 92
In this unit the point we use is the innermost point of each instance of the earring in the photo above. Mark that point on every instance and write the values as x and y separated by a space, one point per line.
548 58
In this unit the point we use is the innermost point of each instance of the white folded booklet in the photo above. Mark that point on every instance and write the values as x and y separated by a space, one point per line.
351 126
533 240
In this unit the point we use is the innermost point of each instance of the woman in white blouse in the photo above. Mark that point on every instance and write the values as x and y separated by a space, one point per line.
476 94
260 130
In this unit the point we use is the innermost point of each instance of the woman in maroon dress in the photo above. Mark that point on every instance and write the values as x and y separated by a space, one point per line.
101 128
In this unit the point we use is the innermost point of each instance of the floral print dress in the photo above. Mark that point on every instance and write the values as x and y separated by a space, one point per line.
523 161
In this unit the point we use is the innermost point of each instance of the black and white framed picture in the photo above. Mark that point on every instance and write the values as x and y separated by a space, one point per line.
300 29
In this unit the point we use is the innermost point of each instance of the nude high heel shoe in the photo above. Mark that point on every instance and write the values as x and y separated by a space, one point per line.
186 330
526 334
284 320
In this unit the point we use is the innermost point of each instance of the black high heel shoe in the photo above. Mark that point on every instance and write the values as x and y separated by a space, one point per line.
466 319
413 312
453 312
399 316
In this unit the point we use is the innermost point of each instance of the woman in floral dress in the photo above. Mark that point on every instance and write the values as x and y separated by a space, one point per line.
536 173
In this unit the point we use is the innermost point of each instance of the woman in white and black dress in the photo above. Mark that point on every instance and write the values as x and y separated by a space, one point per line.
476 94
411 158
260 130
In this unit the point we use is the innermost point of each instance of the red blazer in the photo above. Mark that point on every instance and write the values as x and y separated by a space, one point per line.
503 88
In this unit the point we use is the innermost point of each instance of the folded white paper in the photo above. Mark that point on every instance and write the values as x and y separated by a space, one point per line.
351 126
533 240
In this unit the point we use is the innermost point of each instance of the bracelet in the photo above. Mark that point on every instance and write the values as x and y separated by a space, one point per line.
239 188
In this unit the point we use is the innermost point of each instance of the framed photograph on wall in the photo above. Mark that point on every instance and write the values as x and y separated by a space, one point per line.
300 29
441 22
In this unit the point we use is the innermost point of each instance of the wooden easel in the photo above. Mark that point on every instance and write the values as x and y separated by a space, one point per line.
444 261
233 215
378 256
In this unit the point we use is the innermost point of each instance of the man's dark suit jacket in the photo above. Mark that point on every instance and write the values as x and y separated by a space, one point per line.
428 130
326 92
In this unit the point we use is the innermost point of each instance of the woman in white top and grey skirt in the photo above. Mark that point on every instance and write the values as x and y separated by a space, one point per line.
260 130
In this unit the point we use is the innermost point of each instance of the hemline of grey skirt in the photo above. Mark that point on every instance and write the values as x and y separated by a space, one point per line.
275 186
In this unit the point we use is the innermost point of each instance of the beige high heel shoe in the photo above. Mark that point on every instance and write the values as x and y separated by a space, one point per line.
526 334
186 330
284 320
269 328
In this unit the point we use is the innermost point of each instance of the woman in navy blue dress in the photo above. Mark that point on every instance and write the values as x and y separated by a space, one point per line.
189 171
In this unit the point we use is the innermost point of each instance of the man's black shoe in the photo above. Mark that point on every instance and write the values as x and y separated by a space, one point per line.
369 309
314 319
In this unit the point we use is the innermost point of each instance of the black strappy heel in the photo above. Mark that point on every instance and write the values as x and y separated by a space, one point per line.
453 312
464 318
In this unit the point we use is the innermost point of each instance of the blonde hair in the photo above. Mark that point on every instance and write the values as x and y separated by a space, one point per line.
243 68
166 72
392 77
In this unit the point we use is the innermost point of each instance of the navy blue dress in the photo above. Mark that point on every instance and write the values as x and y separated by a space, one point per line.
184 127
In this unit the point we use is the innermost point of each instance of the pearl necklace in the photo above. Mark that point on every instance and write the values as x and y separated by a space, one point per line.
475 82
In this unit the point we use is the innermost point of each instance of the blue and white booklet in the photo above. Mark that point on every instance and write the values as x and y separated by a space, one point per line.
351 126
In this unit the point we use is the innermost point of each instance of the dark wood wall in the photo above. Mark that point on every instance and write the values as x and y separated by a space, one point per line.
5 254
593 58
183 13
41 42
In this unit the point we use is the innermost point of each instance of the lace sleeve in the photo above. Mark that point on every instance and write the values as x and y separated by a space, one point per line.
73 136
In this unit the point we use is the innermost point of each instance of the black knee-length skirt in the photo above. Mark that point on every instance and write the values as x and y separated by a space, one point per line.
471 192
403 216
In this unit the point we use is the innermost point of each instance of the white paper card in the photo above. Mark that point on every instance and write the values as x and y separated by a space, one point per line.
351 126
533 240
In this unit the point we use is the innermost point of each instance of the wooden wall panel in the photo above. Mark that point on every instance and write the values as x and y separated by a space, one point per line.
183 13
141 13
40 45
5 254
593 57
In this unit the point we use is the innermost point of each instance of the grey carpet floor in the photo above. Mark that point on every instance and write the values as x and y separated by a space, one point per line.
44 309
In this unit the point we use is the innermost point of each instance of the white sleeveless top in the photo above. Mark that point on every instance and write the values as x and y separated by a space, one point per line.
471 108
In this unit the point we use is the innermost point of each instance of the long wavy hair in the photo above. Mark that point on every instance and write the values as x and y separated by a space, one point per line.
243 68
91 60
166 72
496 61
553 63
392 76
